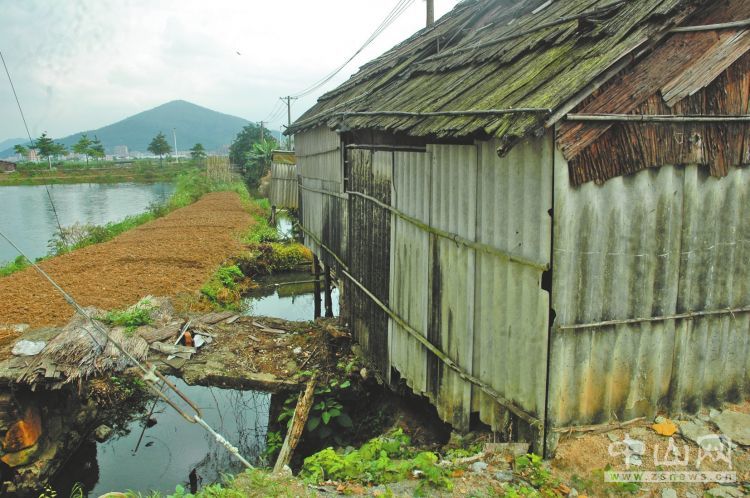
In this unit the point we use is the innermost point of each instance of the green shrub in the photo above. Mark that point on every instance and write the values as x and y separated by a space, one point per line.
223 288
382 460
17 264
133 317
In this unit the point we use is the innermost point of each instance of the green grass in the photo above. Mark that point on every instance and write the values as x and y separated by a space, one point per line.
223 288
133 317
17 265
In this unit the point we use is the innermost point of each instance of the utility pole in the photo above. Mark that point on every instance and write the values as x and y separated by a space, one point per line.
430 12
261 131
174 135
288 101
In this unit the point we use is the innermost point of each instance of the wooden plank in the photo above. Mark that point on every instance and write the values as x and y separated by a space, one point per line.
161 334
301 412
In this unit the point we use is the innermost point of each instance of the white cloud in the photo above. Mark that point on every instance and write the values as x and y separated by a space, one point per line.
82 64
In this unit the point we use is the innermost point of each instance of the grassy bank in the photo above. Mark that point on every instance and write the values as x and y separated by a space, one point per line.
69 173
266 253
189 187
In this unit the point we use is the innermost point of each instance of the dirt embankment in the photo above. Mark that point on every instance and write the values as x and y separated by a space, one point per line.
176 253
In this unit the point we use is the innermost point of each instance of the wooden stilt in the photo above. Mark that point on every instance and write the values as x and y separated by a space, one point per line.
316 273
328 291
301 412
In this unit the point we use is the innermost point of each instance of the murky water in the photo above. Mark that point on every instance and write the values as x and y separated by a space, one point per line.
172 448
26 214
281 296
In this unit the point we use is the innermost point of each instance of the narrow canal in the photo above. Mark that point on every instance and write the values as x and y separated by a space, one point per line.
27 216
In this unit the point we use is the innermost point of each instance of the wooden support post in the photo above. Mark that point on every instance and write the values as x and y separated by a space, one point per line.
301 412
316 296
273 216
328 291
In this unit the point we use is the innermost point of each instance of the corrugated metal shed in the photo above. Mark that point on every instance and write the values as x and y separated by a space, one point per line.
635 266
323 205
453 246
284 192
496 54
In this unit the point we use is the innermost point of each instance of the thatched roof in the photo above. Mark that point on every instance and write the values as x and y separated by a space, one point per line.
79 352
499 55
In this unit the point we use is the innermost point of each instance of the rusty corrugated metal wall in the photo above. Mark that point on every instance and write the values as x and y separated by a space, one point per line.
663 242
283 192
370 172
323 204
485 310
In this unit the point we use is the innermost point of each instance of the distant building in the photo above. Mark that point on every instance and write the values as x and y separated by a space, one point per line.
121 151
7 167
32 155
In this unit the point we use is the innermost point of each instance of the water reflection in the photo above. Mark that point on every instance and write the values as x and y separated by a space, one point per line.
27 216
172 448
288 296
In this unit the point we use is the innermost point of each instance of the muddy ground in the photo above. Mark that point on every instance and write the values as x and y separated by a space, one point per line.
176 253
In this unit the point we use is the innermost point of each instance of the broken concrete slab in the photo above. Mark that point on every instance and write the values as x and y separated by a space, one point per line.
725 492
734 425
695 432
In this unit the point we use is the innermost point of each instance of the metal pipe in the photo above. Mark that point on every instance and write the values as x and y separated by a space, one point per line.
452 236
689 315
659 118
712 27
518 411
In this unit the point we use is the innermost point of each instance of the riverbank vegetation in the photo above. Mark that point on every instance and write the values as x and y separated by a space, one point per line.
69 172
190 186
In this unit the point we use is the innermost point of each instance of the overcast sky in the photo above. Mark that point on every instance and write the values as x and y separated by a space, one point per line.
83 64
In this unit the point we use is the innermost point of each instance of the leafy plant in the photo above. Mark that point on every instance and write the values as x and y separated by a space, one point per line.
274 441
223 287
325 414
133 317
17 264
381 460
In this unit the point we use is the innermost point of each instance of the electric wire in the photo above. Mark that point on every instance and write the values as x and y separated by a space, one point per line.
400 7
31 143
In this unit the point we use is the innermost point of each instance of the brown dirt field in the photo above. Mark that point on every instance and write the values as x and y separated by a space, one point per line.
176 253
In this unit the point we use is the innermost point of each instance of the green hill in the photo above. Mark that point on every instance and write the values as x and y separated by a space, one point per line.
193 124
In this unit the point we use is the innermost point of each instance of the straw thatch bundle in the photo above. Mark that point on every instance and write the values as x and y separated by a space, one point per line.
80 352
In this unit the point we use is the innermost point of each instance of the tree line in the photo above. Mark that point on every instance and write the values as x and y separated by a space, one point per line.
47 148
251 151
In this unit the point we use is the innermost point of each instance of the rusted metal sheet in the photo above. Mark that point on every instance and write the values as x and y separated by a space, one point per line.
370 173
323 204
640 247
283 192
410 267
513 200
452 278
487 312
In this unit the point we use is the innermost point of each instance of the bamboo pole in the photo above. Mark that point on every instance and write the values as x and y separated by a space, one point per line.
659 118
301 412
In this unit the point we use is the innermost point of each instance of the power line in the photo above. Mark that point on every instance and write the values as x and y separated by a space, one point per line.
18 102
31 144
394 14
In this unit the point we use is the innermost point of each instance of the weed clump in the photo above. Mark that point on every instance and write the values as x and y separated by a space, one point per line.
381 460
17 264
133 317
224 287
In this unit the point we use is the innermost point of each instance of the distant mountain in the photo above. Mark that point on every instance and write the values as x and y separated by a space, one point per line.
8 144
193 124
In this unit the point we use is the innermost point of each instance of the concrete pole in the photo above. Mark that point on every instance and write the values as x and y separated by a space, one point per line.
430 12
